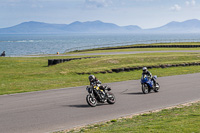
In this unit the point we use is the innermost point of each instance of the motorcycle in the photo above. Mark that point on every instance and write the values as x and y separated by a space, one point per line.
97 95
148 84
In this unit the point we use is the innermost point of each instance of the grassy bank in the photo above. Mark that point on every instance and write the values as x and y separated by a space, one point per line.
181 119
127 48
32 74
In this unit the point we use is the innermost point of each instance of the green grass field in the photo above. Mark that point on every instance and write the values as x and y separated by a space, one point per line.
25 74
181 119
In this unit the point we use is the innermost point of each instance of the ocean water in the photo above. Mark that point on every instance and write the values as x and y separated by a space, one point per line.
19 45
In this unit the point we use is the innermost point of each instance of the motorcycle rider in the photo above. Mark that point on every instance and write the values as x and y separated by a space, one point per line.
95 82
146 72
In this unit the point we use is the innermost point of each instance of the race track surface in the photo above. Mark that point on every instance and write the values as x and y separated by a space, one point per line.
52 110
135 52
114 53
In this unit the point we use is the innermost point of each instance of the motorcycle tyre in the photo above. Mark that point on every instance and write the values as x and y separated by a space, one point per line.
91 103
109 100
145 89
157 88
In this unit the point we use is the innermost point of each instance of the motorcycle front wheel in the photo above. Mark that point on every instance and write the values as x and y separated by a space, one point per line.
111 98
91 100
145 88
157 87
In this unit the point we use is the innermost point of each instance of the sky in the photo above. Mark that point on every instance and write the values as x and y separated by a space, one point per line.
144 13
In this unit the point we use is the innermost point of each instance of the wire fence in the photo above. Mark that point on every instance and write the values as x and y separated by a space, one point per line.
130 43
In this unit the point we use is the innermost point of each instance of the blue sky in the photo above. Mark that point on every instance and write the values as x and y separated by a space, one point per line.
144 13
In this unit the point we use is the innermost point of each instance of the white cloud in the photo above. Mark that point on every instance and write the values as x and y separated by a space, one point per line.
187 3
97 3
176 7
191 3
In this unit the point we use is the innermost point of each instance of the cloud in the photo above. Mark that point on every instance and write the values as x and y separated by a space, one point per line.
97 3
176 7
191 3
20 3
187 3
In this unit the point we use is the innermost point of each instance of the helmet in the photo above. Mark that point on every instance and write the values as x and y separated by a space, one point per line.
91 78
144 69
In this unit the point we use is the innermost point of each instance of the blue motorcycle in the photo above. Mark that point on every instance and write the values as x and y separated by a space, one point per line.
148 84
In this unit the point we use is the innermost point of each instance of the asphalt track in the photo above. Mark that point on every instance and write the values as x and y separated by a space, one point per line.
134 52
114 53
53 110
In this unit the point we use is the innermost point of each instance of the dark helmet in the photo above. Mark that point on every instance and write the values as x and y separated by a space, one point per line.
91 78
144 69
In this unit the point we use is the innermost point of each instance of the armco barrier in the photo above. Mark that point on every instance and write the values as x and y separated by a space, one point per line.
154 46
148 46
57 61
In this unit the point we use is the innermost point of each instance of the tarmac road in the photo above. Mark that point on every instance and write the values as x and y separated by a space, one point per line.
52 110
114 53
135 52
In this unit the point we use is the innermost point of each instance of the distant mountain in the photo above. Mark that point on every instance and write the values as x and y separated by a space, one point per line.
189 26
92 26
33 27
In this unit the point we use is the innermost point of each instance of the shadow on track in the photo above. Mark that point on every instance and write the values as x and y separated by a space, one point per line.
134 93
79 106
84 105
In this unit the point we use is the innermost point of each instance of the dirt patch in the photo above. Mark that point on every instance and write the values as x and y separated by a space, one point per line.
113 61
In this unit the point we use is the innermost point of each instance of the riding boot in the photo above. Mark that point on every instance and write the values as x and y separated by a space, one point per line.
103 96
154 83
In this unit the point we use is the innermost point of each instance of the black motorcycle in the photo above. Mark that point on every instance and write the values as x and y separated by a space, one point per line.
99 94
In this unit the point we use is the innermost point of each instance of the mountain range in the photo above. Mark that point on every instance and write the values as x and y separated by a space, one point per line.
188 26
33 27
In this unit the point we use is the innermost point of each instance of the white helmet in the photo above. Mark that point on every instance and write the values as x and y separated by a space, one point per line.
144 69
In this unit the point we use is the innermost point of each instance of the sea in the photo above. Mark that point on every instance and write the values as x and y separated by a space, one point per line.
22 45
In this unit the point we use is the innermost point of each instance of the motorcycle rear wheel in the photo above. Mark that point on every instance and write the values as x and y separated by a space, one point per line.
145 89
111 98
91 100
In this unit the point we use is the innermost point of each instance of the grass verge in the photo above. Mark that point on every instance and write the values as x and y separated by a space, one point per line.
127 48
182 119
27 74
